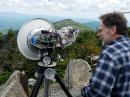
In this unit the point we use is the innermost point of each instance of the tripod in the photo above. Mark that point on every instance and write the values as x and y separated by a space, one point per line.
46 73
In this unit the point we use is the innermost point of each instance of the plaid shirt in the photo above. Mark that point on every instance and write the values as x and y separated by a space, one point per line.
112 75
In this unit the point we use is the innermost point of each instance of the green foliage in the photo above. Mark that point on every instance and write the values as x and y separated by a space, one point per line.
1 34
129 31
4 76
29 67
10 35
1 40
85 45
61 66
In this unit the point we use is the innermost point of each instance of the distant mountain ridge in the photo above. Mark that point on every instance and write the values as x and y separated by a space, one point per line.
13 15
69 22
93 25
16 20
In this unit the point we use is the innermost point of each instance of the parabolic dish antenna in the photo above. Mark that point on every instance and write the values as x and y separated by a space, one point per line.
27 31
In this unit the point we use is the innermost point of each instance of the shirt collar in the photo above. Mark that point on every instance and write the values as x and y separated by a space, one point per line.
120 38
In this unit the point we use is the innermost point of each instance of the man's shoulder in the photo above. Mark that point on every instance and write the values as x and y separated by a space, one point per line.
111 49
117 47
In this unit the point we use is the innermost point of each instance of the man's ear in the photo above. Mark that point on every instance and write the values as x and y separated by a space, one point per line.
114 29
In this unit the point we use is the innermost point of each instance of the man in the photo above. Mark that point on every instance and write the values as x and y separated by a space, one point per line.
111 77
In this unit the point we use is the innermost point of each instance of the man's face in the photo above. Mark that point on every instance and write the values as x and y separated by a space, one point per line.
104 34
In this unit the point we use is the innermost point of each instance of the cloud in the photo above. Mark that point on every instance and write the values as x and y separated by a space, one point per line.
68 7
13 3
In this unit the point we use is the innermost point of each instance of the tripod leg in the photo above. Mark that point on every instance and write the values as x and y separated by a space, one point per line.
62 85
37 86
46 84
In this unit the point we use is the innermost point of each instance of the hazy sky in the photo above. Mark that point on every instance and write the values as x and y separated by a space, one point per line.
75 8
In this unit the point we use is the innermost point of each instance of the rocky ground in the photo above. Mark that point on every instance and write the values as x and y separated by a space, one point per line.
56 91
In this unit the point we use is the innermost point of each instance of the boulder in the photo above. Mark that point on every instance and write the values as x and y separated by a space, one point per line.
77 73
16 86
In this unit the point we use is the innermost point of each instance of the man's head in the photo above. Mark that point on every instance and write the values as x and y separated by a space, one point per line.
112 26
